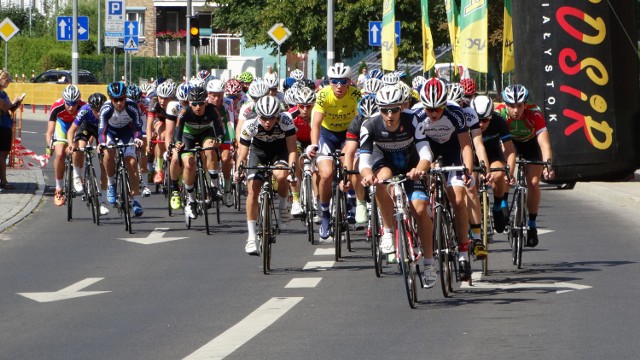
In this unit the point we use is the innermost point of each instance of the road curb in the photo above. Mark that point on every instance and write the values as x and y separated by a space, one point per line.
31 205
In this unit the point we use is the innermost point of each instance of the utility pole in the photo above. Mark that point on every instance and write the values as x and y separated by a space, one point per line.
74 44
330 30
187 72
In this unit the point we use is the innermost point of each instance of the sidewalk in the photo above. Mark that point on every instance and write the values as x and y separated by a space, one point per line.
18 203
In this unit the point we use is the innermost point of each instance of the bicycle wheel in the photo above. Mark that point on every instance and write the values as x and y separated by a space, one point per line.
166 185
184 201
374 233
307 194
522 233
407 266
345 223
91 184
266 234
68 187
443 251
202 195
485 225
452 245
515 229
217 202
124 195
337 223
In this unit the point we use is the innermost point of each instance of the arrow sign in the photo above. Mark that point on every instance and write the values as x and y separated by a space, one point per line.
375 27
69 292
559 287
64 30
155 237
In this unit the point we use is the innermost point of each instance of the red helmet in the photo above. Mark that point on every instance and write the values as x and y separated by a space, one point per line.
233 87
469 86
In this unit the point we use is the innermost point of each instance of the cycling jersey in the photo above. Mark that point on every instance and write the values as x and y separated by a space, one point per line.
87 124
338 113
63 119
493 136
197 126
443 133
303 129
225 113
157 113
353 132
125 124
528 126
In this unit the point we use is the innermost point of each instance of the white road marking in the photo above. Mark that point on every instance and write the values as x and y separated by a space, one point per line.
29 132
154 237
309 282
236 336
544 231
318 265
70 292
559 287
325 251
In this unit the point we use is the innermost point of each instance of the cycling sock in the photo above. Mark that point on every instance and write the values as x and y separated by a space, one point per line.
144 182
463 256
475 231
174 185
324 207
227 185
505 204
505 200
295 196
532 220
190 192
111 180
387 230
159 163
78 171
251 226
59 184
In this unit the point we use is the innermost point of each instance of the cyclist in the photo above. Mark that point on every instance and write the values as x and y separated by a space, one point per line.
371 86
257 90
496 136
335 107
224 109
233 92
204 75
270 137
120 118
272 84
246 78
175 167
161 107
83 131
63 112
531 139
134 93
390 144
197 124
305 99
456 95
444 126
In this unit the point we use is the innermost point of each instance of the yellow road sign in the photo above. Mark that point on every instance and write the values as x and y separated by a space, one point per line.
279 33
8 29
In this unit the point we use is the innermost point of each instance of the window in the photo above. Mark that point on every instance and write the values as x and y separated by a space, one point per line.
172 21
137 15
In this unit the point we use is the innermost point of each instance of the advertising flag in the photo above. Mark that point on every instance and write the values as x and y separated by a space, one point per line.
452 20
472 39
508 61
389 48
428 53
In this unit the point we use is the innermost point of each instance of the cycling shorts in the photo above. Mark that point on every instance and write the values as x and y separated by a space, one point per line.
529 150
258 157
60 132
86 131
124 136
329 142
190 140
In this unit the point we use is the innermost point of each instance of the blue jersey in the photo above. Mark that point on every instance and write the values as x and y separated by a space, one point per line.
85 114
127 121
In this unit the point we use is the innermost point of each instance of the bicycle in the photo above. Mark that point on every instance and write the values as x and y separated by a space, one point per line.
91 192
69 190
268 229
374 232
123 186
445 237
202 189
408 246
339 222
518 213
306 196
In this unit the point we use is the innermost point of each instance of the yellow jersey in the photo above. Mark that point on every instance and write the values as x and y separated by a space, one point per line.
338 113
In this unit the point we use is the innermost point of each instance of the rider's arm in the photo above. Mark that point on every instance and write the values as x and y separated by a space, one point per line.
177 133
465 150
316 124
71 133
292 149
478 145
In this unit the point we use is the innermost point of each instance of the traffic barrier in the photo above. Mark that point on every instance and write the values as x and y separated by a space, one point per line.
45 94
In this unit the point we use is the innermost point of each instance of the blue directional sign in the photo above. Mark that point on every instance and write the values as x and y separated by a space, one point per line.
375 33
131 39
64 29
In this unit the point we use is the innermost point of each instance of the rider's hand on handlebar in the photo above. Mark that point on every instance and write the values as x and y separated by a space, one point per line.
548 174
311 150
369 180
138 142
415 174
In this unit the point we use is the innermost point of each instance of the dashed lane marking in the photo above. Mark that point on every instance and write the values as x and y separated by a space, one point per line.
310 282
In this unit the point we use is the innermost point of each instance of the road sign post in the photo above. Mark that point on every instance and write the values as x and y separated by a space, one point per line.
279 33
114 23
7 30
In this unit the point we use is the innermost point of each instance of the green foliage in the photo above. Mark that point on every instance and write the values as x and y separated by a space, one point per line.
319 72
40 25
363 65
56 59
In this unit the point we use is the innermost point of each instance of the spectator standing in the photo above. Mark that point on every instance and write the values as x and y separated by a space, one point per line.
6 125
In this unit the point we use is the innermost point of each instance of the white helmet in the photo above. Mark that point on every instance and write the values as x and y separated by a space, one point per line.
455 92
271 81
390 78
297 74
367 107
257 89
406 91
71 93
167 89
215 86
418 81
372 85
305 96
338 71
434 93
267 106
389 95
147 88
196 82
290 96
483 106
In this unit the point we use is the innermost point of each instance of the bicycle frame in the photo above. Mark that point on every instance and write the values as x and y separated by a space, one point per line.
203 192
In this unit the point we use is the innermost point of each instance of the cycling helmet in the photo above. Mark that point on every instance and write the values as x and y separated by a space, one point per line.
406 91
372 85
305 96
167 89
182 93
257 89
290 96
455 92
245 77
96 100
483 106
389 95
288 82
71 93
197 93
133 92
267 106
147 88
418 81
338 71
515 94
272 82
367 106
195 82
215 86
203 74
115 89
297 74
390 79
375 74
469 86
233 87
434 93
401 74
309 83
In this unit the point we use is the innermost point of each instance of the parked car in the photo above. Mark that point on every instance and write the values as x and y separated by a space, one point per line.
64 77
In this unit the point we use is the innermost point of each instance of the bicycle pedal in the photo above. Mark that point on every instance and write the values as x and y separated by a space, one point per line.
392 259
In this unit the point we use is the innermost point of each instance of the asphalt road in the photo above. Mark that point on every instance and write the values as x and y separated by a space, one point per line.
203 297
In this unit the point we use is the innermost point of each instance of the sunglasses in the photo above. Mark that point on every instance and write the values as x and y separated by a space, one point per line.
119 99
391 110
71 103
270 118
485 120
197 103
441 108
342 82
305 106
